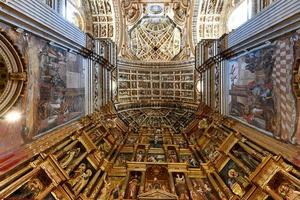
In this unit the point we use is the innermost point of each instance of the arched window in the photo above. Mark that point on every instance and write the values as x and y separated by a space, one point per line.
240 14
73 14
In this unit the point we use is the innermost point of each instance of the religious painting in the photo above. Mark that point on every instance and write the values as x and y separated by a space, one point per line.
251 97
202 190
260 92
172 155
62 87
122 159
189 159
133 185
296 88
156 158
235 178
12 49
251 161
157 178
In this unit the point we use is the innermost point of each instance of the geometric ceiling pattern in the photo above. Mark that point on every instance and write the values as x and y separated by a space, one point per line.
153 30
209 19
156 38
103 18
157 117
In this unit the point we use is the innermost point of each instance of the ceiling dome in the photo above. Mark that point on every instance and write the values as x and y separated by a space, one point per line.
155 38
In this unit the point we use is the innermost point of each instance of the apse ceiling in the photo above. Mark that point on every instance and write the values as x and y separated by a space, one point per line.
164 30
154 29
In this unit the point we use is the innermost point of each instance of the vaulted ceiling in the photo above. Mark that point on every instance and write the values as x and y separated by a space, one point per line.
158 29
155 41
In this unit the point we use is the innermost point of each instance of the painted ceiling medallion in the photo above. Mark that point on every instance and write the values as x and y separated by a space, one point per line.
155 9
12 75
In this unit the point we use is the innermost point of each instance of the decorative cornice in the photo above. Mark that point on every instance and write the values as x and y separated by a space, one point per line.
35 17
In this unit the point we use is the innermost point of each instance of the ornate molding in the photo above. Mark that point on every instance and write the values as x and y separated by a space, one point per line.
13 75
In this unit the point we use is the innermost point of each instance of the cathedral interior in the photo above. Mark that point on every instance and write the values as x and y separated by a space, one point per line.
150 99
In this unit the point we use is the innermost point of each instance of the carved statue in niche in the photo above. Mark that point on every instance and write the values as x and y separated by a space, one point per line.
211 152
106 190
78 172
285 187
152 158
157 178
35 186
197 193
288 191
181 142
82 181
104 147
116 193
69 157
202 190
30 190
193 162
172 157
180 186
140 156
100 154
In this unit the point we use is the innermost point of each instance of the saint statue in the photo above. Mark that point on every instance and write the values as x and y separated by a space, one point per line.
105 190
179 179
139 156
69 157
82 181
78 172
